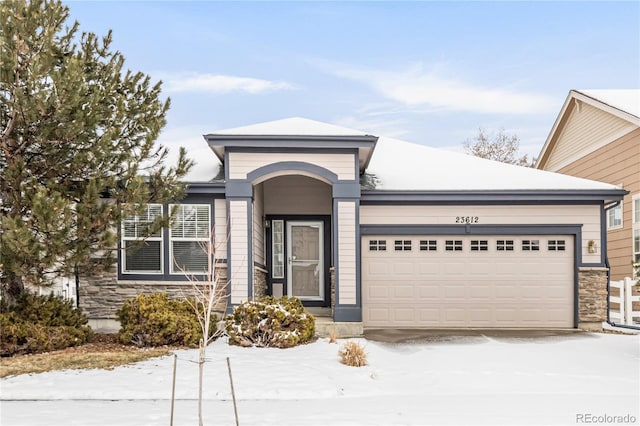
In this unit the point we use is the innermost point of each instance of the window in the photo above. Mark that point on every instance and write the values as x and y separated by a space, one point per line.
453 245
504 245
378 245
556 245
428 245
530 245
142 255
635 207
189 235
614 217
479 245
277 233
402 245
636 245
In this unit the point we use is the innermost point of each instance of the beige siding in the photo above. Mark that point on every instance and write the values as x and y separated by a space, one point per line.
220 221
346 252
241 163
258 225
588 216
239 273
617 163
297 195
587 128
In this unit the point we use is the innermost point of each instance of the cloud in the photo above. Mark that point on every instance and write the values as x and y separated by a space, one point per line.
416 87
220 84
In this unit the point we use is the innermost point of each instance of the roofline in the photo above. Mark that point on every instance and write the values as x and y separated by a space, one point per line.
194 188
568 105
560 196
218 143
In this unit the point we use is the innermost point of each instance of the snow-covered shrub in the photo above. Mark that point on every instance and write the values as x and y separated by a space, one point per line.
41 324
269 322
156 320
352 354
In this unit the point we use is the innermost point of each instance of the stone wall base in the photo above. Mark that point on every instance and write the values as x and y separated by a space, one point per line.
592 296
259 282
101 296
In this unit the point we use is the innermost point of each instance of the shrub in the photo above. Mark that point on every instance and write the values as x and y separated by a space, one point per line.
40 324
352 354
270 322
156 320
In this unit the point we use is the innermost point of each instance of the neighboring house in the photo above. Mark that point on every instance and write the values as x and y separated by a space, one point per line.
597 136
377 232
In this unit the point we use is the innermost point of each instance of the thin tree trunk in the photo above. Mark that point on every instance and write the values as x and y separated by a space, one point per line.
200 375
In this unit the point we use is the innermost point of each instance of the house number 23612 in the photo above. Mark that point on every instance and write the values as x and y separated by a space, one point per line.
467 219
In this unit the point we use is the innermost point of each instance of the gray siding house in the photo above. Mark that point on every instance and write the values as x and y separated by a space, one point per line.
376 232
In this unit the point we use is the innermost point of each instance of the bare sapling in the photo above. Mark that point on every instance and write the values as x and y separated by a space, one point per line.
209 294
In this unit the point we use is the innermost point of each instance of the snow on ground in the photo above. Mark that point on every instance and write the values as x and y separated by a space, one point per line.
466 380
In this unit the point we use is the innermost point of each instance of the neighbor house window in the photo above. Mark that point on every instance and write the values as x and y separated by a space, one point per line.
142 252
428 245
530 245
614 217
402 245
189 236
635 207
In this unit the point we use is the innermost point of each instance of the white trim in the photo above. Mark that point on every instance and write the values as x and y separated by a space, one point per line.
179 208
123 238
635 228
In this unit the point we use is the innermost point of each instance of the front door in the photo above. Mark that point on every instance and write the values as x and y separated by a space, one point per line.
305 259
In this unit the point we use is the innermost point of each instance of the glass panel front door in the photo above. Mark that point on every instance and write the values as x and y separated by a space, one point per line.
305 273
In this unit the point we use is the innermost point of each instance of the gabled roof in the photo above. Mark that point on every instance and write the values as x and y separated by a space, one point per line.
293 132
397 166
624 104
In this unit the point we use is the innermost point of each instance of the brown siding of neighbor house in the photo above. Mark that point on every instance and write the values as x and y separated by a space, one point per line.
617 163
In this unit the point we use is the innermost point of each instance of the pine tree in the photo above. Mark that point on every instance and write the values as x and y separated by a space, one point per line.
77 146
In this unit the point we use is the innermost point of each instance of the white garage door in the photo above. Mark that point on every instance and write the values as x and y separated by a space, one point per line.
467 281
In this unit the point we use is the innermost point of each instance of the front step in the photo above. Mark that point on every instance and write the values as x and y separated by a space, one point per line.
325 327
318 311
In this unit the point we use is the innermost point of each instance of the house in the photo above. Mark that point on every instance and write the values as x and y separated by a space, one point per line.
597 136
376 232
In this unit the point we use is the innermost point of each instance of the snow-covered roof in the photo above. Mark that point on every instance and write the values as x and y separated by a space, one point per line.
294 126
404 166
400 165
626 100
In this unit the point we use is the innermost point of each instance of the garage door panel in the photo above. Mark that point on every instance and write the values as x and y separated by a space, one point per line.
438 288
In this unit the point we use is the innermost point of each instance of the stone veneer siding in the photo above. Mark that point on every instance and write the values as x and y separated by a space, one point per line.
592 295
102 295
259 282
332 274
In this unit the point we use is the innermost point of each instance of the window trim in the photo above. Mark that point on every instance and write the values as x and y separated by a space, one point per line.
173 270
635 229
124 238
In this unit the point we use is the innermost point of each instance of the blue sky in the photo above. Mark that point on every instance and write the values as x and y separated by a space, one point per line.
426 72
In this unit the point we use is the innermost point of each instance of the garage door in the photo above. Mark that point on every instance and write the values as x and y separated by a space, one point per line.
467 281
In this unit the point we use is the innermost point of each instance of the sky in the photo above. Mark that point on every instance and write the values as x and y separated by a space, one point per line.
423 71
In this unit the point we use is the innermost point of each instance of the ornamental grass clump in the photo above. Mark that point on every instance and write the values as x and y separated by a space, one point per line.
352 354
269 322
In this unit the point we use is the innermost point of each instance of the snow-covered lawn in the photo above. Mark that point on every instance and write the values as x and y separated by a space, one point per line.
473 380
